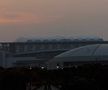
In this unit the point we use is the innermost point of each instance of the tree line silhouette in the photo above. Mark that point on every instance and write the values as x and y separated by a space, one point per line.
85 77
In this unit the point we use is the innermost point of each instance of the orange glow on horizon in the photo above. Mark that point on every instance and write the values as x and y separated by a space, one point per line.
26 18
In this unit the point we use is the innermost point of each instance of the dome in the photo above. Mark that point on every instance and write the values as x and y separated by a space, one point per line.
90 53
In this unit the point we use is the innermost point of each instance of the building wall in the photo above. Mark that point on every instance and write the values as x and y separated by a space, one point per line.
16 47
3 56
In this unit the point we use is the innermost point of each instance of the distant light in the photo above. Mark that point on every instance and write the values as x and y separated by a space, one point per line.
57 67
30 68
42 67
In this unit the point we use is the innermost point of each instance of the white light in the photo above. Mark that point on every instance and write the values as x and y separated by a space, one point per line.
42 67
30 68
57 67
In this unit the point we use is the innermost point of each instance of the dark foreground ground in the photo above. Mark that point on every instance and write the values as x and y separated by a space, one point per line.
86 77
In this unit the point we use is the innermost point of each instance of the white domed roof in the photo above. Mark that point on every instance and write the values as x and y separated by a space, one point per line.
95 52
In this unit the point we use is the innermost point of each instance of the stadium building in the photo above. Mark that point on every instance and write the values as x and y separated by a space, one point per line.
37 52
90 54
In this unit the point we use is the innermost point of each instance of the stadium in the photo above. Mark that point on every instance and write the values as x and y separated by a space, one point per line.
90 54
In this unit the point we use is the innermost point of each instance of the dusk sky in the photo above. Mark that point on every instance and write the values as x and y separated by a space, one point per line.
42 18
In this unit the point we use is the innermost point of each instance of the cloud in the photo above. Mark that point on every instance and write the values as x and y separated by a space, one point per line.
14 17
25 18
